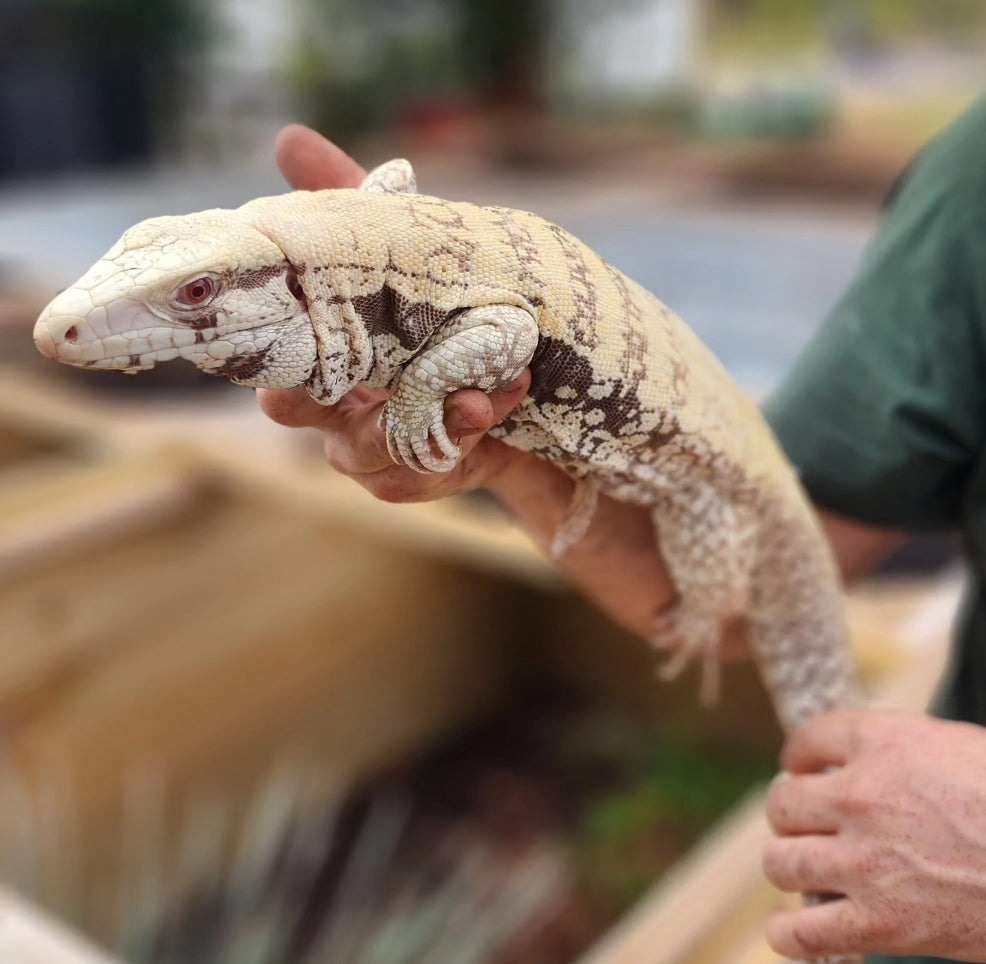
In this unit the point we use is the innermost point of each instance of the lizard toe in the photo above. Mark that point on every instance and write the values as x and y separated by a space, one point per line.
448 448
407 454
421 445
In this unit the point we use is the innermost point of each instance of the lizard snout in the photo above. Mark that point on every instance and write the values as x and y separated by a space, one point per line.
53 332
57 333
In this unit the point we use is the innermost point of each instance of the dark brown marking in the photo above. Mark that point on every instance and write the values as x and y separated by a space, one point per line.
200 322
254 278
240 367
294 286
387 312
556 365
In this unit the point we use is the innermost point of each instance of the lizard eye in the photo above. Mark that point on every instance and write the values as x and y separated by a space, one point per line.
196 292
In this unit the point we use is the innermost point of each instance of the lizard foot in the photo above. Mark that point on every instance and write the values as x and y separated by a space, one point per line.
690 633
414 428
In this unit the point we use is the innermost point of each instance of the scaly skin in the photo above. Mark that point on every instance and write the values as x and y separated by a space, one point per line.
383 287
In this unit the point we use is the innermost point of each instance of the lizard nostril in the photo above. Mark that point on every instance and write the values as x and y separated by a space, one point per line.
72 335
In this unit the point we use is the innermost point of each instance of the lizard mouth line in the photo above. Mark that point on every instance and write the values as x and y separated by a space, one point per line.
125 363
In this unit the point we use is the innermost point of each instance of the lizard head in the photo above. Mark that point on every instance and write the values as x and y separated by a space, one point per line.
208 287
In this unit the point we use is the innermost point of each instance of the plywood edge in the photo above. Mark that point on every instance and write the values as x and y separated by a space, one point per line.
28 936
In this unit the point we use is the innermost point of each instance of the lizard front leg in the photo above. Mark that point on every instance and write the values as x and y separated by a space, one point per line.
391 177
484 348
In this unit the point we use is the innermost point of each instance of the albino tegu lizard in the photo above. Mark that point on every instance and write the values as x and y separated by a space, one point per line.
387 288
384 287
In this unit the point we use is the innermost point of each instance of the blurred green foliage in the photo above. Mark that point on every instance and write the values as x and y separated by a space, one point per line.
782 29
115 28
362 63
654 794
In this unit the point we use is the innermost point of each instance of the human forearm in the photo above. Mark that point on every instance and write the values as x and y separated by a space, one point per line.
616 564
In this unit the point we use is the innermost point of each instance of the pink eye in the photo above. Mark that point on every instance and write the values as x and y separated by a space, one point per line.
197 292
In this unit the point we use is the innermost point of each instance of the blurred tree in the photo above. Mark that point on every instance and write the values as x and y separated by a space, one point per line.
362 61
504 46
133 54
88 82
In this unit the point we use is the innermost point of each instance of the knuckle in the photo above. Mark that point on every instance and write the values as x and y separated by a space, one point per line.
860 795
772 862
881 931
810 939
777 803
280 407
867 861
394 485
338 456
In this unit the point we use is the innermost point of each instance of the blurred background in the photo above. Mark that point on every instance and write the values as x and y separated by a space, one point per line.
246 713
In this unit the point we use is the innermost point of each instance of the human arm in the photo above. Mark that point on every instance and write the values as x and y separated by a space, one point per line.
889 809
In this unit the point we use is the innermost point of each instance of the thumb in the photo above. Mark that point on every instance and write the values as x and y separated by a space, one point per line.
470 412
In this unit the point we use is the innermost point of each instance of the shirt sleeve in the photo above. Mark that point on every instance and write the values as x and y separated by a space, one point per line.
884 414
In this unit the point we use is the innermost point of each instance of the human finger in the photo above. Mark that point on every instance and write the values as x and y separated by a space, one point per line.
832 927
802 804
295 408
310 162
356 445
814 864
469 412
827 740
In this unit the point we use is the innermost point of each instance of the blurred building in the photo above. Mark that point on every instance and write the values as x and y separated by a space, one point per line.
626 53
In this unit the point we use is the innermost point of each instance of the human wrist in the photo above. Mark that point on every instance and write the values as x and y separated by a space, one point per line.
533 491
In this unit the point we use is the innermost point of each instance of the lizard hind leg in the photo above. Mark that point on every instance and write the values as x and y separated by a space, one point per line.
707 542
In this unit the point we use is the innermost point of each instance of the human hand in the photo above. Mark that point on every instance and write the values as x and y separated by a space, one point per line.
354 443
889 810
616 563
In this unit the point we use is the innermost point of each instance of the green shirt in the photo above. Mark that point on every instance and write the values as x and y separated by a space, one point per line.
885 414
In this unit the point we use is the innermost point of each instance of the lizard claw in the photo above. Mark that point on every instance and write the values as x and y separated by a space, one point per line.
400 451
410 432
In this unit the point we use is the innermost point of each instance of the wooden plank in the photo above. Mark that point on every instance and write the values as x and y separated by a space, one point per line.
51 507
43 407
450 529
29 937
191 610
